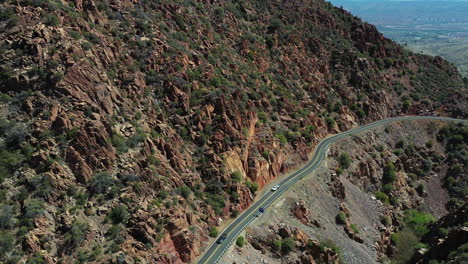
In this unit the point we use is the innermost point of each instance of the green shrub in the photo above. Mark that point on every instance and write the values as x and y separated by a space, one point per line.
163 194
33 208
429 144
136 139
387 188
4 98
287 245
234 213
214 231
400 143
51 20
216 201
443 231
240 241
185 191
420 189
6 243
101 182
219 13
389 175
341 218
382 197
93 38
7 213
119 143
418 221
427 165
275 24
354 228
327 243
380 148
283 140
253 186
75 34
37 258
236 176
86 46
345 160
330 122
119 214
76 235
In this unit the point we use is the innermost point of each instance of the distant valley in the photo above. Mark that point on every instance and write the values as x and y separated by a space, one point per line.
431 27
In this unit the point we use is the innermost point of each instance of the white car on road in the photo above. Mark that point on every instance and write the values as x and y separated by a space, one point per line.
275 188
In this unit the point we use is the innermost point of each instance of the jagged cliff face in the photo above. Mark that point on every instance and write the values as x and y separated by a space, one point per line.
143 123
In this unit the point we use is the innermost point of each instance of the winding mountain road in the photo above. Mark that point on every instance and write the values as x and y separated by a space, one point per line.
214 253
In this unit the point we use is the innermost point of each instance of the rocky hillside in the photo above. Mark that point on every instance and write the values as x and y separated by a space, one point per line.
130 129
393 195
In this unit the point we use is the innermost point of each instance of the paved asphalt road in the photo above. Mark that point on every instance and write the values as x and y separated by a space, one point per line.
216 251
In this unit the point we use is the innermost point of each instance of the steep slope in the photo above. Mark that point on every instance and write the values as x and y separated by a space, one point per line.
392 194
129 128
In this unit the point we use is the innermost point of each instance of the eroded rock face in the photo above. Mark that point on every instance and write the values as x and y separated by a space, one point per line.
305 249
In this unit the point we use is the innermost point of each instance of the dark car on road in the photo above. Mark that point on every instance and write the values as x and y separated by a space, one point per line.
221 238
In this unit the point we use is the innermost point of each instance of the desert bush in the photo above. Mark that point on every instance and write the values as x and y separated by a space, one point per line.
418 221
136 138
341 218
387 188
283 140
382 197
236 176
163 194
51 20
185 191
240 241
33 208
214 231
6 216
16 135
216 201
345 160
287 245
119 214
75 35
253 186
100 183
76 235
6 243
389 174
330 122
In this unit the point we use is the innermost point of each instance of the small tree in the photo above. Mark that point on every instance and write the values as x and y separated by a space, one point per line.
253 186
51 20
381 197
345 160
118 214
287 245
185 191
389 175
214 231
240 241
100 182
341 218
76 235
236 176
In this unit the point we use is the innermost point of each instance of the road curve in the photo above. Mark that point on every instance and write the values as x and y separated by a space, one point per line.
216 251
